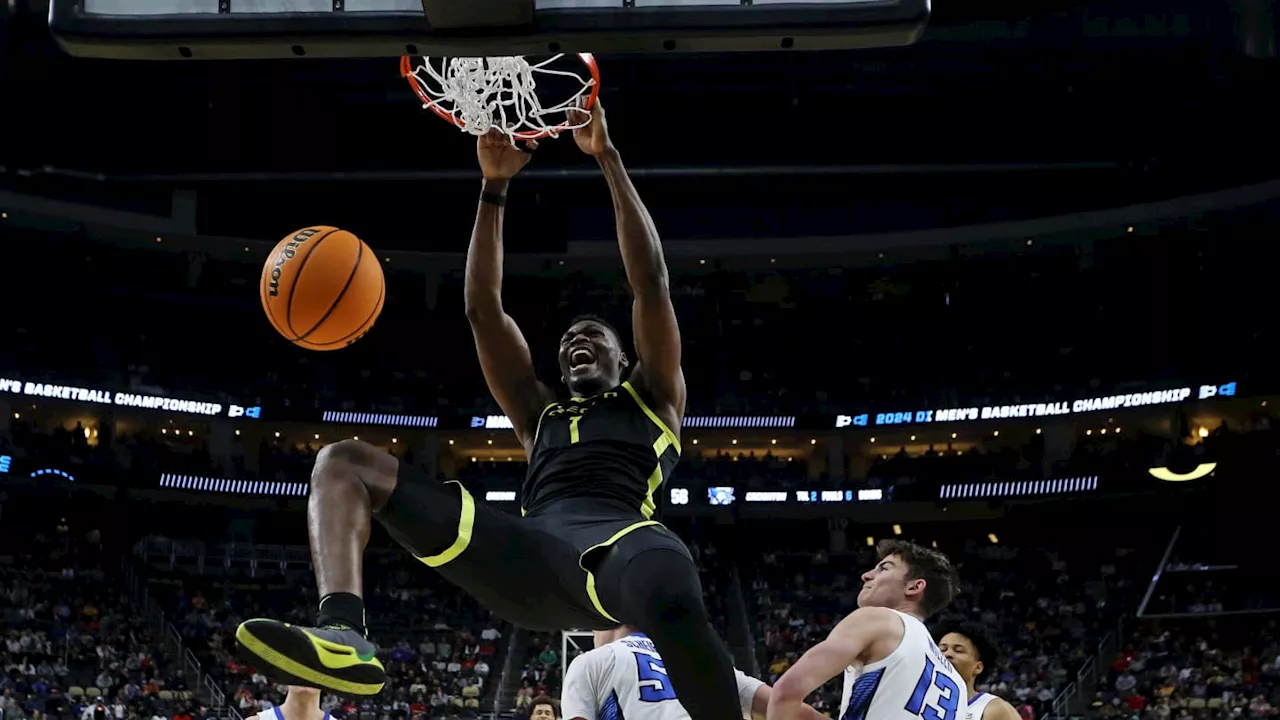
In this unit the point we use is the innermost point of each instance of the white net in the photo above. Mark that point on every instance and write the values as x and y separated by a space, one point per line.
485 93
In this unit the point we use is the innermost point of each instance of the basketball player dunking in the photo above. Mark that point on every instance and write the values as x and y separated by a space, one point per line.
892 668
587 553
970 647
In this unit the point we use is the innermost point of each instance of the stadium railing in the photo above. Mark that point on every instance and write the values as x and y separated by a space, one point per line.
197 679
504 694
1073 698
739 629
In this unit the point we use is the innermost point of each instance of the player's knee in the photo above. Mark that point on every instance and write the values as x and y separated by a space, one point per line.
343 455
354 461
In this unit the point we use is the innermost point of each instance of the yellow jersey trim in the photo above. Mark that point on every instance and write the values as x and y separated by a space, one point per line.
648 507
538 428
591 578
653 417
466 525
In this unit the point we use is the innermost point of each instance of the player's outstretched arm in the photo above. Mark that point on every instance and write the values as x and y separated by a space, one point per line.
863 637
657 334
504 353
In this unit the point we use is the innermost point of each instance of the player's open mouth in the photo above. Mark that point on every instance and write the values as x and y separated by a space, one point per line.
580 357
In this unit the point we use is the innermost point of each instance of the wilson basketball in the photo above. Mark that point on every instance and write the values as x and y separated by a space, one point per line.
322 288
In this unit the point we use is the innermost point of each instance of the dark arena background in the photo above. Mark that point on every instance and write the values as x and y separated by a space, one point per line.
995 277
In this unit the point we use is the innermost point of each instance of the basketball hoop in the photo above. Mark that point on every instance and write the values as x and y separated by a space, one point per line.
486 93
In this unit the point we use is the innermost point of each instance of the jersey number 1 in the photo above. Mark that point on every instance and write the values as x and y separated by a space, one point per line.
948 695
654 684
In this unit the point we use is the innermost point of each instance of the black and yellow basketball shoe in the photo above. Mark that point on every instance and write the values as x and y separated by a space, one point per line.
334 658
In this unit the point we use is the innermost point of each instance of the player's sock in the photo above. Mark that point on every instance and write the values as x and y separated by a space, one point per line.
341 609
663 599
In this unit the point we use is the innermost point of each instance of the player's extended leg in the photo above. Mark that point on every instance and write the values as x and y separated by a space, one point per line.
350 482
491 555
655 588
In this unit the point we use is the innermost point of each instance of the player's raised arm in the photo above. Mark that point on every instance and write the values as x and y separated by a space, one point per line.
860 637
657 335
504 354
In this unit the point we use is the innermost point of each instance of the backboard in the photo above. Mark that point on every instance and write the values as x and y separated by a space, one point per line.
250 29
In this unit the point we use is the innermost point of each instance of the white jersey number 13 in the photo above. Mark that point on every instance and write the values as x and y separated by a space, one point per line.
948 695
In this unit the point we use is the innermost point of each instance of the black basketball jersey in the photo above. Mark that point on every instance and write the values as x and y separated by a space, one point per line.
609 446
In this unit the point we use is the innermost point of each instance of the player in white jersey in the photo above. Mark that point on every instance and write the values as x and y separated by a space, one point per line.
301 703
624 678
970 647
892 668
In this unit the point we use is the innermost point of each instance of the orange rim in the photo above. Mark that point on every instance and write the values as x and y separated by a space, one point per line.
589 99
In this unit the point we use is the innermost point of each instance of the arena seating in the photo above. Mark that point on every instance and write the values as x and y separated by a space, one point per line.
1224 667
439 646
1054 605
73 640
443 652
1051 605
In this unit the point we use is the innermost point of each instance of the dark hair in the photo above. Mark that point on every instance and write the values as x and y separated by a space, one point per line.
588 317
939 575
545 700
983 641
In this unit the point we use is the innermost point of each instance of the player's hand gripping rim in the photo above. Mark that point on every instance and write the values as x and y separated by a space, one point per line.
500 158
593 135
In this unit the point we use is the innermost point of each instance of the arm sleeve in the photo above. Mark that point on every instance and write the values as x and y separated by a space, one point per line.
747 687
580 697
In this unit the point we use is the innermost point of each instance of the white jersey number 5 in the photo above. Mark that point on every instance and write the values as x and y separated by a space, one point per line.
654 685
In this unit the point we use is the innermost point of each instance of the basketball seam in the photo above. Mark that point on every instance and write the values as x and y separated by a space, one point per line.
288 312
362 326
354 269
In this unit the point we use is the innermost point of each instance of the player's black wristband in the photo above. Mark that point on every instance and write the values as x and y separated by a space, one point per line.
493 199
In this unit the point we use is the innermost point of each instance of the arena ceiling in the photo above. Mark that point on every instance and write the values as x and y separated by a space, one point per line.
993 115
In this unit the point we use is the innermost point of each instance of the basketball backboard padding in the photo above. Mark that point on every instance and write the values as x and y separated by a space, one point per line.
264 29
454 15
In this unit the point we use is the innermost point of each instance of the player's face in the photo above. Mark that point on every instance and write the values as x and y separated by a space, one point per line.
960 651
887 585
590 359
543 712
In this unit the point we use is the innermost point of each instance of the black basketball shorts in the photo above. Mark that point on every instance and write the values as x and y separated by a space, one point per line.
555 570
